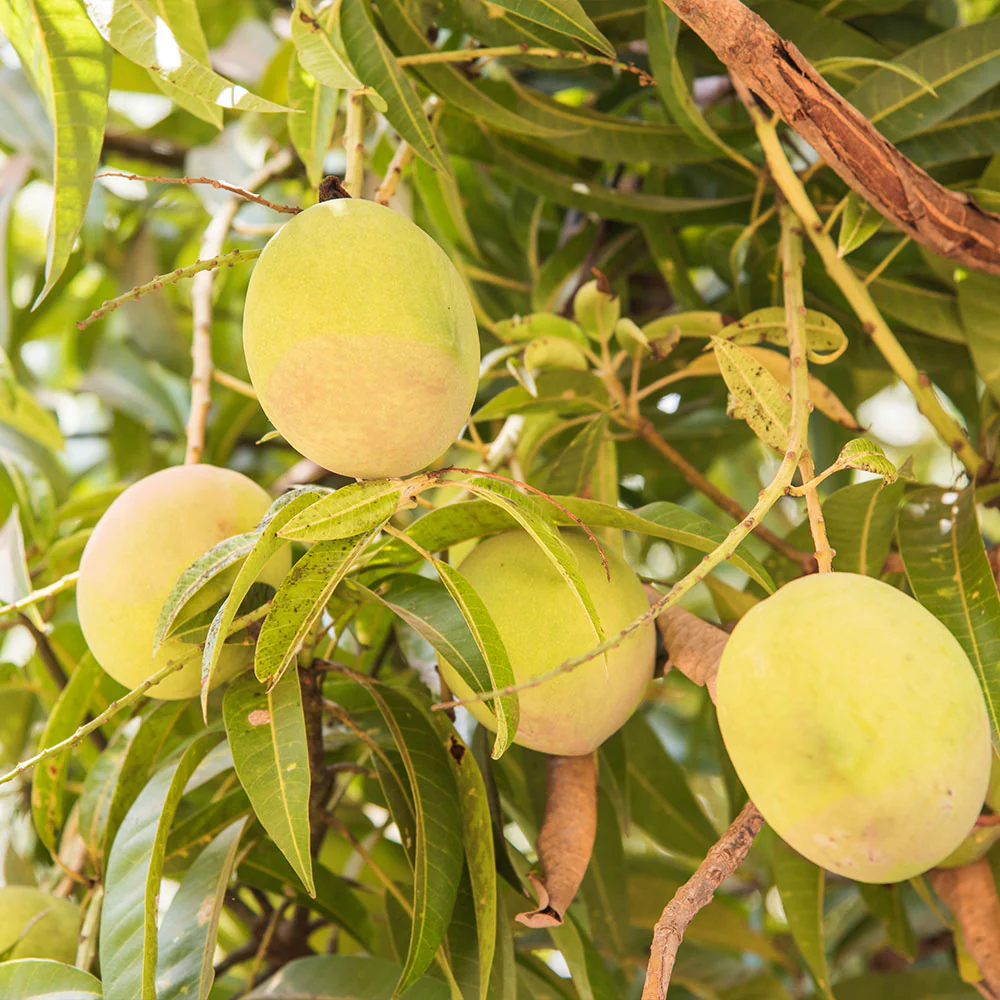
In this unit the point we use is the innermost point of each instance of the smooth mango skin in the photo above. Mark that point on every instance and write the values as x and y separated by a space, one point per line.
361 340
542 624
857 725
52 936
142 544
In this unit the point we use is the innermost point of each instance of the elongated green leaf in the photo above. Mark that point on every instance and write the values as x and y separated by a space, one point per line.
662 803
564 392
300 601
800 884
21 411
568 17
949 573
869 457
48 807
344 977
265 867
187 937
859 223
958 65
760 399
570 469
825 340
377 68
42 979
927 984
437 823
928 310
70 68
201 827
266 544
133 28
860 521
605 887
973 131
662 32
267 735
979 305
311 128
216 560
120 773
490 645
885 902
320 47
351 510
592 196
128 948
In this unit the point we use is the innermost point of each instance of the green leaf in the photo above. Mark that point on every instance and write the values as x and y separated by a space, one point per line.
311 128
825 340
570 469
849 62
662 32
543 324
377 68
133 28
858 224
266 544
429 609
928 310
913 984
800 884
605 887
950 575
205 568
201 827
300 601
48 785
267 736
662 802
15 577
490 646
187 936
565 392
868 457
351 510
128 949
759 397
70 68
42 979
971 132
979 306
437 858
860 521
320 47
885 903
344 977
568 17
121 772
25 414
477 837
958 65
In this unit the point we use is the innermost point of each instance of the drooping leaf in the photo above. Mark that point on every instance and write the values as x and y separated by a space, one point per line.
979 306
867 456
43 979
825 340
320 47
267 733
70 68
128 948
312 119
949 573
200 827
860 521
48 785
351 510
568 17
187 936
300 601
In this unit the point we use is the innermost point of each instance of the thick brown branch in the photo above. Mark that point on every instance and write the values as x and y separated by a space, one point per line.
970 893
720 863
949 223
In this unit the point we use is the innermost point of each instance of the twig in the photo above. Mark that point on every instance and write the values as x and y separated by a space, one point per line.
234 383
202 307
877 271
792 261
400 161
354 143
856 293
128 699
244 192
721 862
948 222
498 51
64 583
155 284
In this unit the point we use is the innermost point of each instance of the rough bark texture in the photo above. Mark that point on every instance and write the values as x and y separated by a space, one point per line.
970 893
720 863
567 837
949 223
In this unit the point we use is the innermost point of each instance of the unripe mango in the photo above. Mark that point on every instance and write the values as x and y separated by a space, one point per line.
597 310
361 340
857 725
50 926
142 544
542 624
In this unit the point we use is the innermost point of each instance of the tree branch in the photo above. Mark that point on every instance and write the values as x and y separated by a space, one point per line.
948 222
